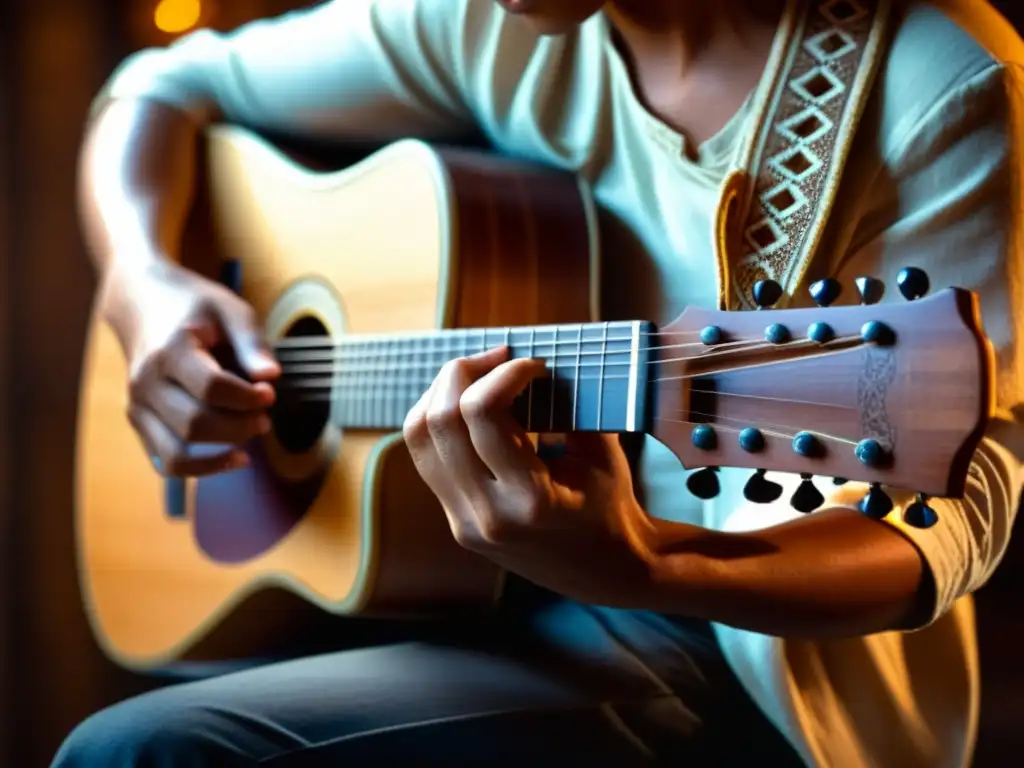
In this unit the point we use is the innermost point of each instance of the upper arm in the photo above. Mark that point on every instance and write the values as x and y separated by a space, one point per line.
345 69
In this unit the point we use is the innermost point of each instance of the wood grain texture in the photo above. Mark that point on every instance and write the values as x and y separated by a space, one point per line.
410 239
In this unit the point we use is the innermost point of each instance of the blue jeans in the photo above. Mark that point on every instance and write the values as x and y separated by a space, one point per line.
559 684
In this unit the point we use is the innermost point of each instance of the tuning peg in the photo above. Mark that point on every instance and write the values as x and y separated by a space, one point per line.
704 483
870 289
825 292
807 497
766 293
919 514
913 283
761 490
876 503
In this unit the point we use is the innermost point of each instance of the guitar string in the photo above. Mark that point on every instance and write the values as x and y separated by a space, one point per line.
713 417
328 394
380 361
327 342
364 352
763 426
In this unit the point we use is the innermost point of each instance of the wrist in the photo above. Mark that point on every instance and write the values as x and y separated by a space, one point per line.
683 566
121 285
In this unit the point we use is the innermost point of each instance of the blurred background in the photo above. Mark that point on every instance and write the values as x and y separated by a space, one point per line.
54 54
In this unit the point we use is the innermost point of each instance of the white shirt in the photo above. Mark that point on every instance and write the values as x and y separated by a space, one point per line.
932 180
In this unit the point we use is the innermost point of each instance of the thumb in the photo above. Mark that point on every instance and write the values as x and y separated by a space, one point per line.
246 338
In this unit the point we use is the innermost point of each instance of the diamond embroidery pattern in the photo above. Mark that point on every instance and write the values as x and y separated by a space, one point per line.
800 148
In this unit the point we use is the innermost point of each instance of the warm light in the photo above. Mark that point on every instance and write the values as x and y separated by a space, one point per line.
174 16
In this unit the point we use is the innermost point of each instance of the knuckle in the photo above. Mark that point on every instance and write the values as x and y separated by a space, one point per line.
414 429
469 537
441 418
205 389
493 530
477 404
195 425
532 509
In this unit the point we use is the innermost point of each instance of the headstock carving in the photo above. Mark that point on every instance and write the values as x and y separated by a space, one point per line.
890 394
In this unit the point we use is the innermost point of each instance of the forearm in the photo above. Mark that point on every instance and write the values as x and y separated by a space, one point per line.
831 574
136 182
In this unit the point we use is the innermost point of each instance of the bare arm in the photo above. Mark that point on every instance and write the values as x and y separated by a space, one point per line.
950 202
354 69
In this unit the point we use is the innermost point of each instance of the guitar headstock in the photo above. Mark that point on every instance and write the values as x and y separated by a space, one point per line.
896 394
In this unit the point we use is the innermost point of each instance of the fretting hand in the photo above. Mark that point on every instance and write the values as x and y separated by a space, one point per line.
191 414
565 524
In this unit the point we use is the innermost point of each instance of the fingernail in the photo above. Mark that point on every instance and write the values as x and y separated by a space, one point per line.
488 352
264 424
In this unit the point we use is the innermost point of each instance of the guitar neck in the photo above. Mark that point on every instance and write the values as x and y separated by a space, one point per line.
598 374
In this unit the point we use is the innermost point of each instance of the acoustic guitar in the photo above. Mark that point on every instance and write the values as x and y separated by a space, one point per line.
368 279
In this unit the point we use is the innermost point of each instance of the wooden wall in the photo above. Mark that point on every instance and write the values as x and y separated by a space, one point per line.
6 185
54 55
60 53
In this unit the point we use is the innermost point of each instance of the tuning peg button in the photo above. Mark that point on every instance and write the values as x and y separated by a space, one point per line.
704 483
825 292
870 289
821 333
766 293
919 514
776 333
913 283
704 437
807 497
876 503
761 490
711 335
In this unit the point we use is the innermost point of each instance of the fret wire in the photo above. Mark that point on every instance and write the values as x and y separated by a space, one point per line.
576 379
600 375
554 373
529 389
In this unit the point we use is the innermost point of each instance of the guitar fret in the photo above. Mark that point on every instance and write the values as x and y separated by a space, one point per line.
529 389
554 378
592 383
600 375
576 379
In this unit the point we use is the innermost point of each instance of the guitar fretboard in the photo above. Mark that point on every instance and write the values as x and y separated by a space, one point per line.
597 378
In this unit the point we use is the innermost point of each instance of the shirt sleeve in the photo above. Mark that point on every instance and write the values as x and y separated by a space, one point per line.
949 200
345 69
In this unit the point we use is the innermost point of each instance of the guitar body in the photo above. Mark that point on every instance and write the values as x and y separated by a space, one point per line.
410 238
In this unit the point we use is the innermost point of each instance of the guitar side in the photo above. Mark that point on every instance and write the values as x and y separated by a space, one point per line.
411 238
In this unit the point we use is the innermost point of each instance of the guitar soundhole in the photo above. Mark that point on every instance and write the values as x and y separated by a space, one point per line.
303 404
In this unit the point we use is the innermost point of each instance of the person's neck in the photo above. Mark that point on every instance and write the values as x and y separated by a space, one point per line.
681 33
680 51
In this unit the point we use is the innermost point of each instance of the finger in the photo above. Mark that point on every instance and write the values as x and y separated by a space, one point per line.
428 464
173 457
422 449
199 374
448 428
194 422
243 332
499 441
